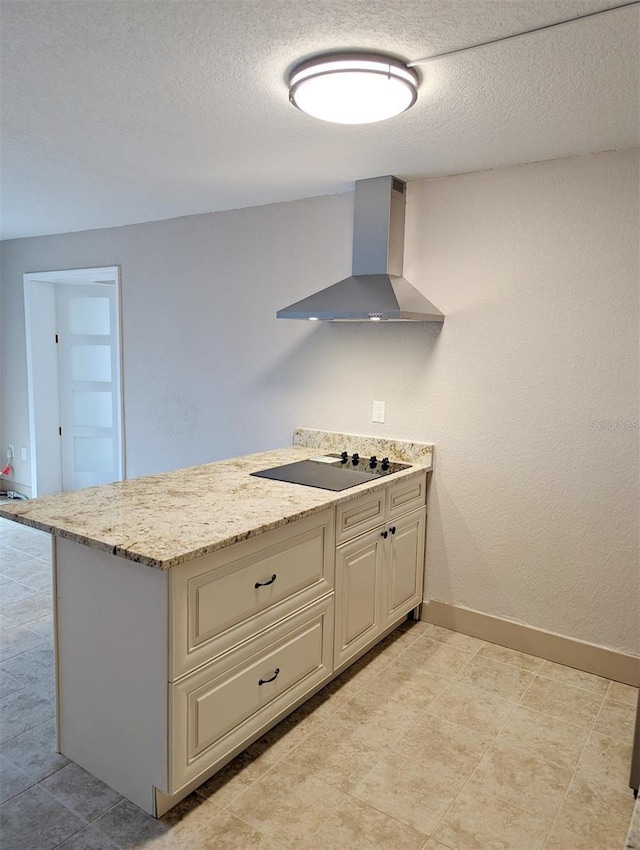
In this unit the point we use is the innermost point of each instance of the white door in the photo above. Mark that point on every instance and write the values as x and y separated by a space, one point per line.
89 384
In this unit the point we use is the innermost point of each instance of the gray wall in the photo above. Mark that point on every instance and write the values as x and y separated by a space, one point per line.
533 510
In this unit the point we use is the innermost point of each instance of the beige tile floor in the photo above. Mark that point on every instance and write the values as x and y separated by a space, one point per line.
433 741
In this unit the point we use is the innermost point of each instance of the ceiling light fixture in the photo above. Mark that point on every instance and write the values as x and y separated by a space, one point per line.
353 88
361 88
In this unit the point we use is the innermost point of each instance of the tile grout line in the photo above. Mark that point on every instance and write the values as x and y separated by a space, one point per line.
508 663
573 687
527 811
30 729
33 784
566 791
468 779
13 580
86 822
22 552
465 783
32 590
363 688
13 796
27 623
327 819
456 677
32 685
285 844
444 690
379 810
348 794
18 654
573 773
58 802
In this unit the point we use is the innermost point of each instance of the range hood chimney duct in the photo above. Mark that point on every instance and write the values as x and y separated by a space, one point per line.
376 291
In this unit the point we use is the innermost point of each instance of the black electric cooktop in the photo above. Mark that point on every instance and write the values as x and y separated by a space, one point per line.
332 472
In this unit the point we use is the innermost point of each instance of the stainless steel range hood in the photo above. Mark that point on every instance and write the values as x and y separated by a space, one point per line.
376 291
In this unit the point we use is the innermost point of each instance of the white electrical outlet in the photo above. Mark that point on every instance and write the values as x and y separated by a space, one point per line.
378 411
23 453
10 452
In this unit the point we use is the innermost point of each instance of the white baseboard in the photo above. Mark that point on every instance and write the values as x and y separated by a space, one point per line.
559 648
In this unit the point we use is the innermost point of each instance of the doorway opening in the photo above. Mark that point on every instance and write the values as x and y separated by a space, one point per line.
74 378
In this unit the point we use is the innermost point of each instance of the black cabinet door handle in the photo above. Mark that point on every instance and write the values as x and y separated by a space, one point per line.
272 679
265 583
393 529
384 534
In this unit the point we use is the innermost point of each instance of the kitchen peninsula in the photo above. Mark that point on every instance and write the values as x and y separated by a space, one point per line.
195 609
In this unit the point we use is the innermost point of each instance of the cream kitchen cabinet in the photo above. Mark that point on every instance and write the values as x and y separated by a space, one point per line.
379 566
163 675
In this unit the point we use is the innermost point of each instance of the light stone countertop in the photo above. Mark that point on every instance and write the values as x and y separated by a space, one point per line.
166 519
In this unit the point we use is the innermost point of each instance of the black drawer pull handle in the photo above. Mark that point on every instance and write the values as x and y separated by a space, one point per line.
384 534
393 529
265 583
272 679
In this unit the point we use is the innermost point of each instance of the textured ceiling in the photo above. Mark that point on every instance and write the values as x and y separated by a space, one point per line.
120 111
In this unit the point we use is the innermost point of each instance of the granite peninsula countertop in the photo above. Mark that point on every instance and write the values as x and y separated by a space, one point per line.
167 519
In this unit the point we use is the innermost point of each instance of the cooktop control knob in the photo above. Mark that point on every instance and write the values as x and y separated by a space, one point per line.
373 461
355 459
345 456
385 463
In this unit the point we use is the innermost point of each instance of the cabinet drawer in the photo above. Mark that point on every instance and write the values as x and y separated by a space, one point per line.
223 599
219 706
359 515
406 495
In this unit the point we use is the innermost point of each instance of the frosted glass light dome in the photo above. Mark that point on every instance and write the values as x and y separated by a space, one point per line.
353 88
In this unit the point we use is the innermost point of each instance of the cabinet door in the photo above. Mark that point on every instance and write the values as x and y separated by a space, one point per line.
404 566
358 594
